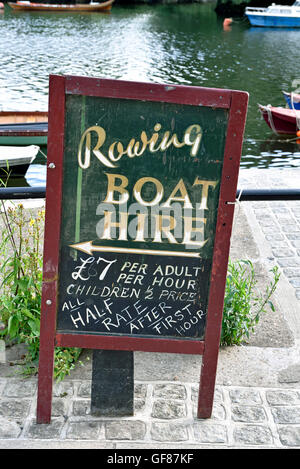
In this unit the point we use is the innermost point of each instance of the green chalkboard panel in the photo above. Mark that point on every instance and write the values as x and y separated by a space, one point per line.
140 193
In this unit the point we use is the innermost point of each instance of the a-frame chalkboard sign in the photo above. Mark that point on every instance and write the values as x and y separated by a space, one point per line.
141 184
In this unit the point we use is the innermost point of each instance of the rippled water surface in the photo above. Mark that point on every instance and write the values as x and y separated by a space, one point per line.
183 44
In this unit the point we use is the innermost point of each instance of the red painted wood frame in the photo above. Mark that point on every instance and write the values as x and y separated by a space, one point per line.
236 103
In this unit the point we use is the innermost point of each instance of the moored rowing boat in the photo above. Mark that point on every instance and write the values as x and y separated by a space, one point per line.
14 161
24 128
24 5
281 120
15 117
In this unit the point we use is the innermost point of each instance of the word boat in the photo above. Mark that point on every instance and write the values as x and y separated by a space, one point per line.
282 16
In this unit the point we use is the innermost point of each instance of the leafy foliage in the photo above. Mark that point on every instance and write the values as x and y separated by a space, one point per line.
243 306
21 287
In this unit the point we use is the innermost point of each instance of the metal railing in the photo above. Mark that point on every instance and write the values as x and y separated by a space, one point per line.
15 193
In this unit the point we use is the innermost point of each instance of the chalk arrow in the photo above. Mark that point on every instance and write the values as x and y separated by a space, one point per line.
86 247
89 248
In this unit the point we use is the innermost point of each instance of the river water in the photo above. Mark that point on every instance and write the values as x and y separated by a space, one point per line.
183 44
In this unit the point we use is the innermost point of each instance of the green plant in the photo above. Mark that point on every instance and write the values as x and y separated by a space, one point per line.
65 360
21 286
243 305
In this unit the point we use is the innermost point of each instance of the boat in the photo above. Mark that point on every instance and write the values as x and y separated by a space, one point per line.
281 16
281 120
292 99
13 117
25 5
14 161
19 128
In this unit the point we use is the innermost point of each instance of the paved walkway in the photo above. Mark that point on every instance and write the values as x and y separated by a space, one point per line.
164 418
257 398
279 221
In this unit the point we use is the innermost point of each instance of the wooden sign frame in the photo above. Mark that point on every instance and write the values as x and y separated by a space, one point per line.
235 102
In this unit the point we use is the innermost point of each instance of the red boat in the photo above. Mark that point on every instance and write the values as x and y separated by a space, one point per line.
281 120
31 6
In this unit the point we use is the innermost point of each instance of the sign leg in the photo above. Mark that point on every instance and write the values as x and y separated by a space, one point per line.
207 382
45 382
112 383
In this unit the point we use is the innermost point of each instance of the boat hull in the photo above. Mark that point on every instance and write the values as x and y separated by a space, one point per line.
16 117
273 21
15 160
17 171
24 128
280 120
92 7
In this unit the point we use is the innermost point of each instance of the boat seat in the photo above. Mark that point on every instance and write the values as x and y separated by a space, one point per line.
32 127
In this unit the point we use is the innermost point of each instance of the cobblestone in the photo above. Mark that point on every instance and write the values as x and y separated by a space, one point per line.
162 431
125 430
242 417
9 428
83 430
245 396
248 414
253 435
210 432
168 409
290 436
286 414
283 397
279 221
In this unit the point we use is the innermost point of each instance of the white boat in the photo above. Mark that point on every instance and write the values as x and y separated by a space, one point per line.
281 16
14 161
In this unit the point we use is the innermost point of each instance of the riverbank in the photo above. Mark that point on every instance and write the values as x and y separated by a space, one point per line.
126 2
222 6
261 3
